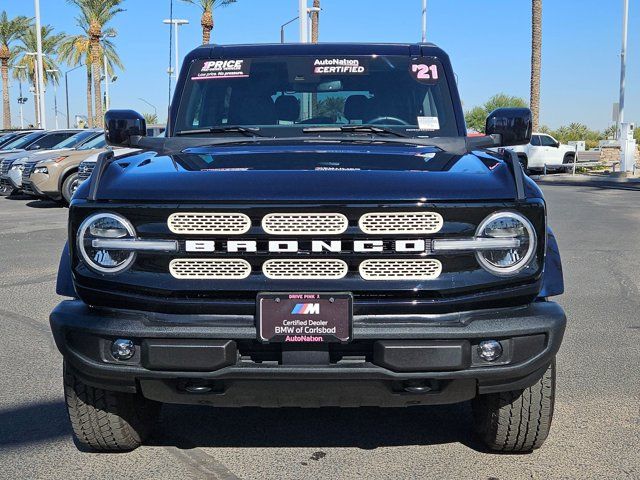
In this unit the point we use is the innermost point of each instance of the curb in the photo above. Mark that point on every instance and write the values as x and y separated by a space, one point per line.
605 181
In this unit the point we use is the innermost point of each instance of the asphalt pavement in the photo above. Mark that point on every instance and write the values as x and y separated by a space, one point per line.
596 429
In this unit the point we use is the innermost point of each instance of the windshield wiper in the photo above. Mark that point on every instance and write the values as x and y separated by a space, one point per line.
247 132
354 129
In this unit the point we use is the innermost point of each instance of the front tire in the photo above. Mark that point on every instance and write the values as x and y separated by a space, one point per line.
516 421
69 186
6 190
107 421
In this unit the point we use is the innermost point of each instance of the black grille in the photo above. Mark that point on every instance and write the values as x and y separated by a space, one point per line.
85 169
27 170
5 166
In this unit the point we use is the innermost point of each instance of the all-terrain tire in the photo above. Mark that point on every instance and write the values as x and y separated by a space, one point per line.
524 161
68 186
107 421
516 421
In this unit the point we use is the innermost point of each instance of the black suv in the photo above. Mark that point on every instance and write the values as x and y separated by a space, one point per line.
316 229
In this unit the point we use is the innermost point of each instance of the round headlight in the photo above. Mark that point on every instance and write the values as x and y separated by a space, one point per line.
507 260
105 226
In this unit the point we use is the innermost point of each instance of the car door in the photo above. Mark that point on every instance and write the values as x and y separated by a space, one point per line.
535 155
550 150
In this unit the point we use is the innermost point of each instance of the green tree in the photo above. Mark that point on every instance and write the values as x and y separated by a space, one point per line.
96 14
476 117
150 118
76 50
29 44
206 20
10 31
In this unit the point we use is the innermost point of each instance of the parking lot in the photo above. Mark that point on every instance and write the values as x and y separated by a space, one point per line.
596 429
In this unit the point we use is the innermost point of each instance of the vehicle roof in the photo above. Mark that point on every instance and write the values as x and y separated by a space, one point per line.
257 50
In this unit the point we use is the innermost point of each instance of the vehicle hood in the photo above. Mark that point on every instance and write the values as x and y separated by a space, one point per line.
32 155
72 155
307 172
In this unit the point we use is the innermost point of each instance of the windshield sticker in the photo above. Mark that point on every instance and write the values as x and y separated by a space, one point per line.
425 70
223 69
340 66
428 123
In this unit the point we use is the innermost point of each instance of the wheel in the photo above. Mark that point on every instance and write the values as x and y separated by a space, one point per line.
6 190
107 421
69 186
516 421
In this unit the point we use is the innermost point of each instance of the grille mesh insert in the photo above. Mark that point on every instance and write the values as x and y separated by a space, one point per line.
400 222
210 268
304 223
304 269
209 223
386 269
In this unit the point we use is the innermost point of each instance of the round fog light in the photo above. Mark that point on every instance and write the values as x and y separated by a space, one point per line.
122 349
490 350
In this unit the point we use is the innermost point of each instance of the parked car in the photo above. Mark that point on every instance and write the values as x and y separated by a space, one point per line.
268 253
86 167
7 137
544 150
56 177
155 130
50 144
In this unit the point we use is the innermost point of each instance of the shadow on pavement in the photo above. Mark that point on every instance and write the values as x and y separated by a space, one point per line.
368 428
33 423
603 185
44 204
188 427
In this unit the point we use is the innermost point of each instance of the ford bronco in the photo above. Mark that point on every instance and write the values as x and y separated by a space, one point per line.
316 229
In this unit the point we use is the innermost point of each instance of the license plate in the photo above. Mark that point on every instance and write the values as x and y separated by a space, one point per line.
304 317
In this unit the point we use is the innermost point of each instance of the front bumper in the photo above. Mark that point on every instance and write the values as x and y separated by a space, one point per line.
394 360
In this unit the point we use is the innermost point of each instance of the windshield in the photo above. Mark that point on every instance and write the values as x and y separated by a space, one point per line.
281 96
24 141
74 140
98 142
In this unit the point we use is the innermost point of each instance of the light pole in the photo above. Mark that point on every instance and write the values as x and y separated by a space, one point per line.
42 111
66 88
623 60
36 88
55 94
155 110
107 98
21 100
424 21
282 28
310 10
176 22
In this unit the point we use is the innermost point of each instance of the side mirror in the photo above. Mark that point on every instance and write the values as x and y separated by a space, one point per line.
512 124
121 125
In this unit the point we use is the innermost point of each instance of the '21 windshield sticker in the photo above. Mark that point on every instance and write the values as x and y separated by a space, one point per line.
229 68
425 70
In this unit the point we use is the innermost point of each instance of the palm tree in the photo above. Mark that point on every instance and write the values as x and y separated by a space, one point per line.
536 59
10 31
315 22
97 13
29 45
206 20
150 118
76 50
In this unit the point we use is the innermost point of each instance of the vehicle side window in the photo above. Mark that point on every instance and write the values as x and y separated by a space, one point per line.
547 141
535 140
49 141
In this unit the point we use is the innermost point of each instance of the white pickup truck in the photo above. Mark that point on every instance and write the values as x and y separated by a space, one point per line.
545 150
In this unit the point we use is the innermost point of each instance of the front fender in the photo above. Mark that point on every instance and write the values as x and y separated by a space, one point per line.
553 280
64 283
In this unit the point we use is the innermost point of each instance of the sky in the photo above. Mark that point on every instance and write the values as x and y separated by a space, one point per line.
488 42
